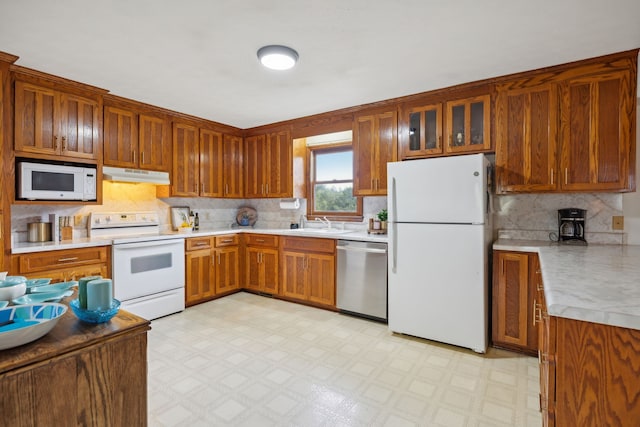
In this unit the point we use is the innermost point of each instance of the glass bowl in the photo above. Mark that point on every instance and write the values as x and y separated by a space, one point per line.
94 316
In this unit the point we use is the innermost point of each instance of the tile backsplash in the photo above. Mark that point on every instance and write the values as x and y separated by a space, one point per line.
535 216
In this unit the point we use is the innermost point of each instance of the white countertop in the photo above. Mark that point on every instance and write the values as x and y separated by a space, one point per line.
26 247
595 283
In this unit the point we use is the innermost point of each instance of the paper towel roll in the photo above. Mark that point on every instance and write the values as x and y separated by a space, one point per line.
289 204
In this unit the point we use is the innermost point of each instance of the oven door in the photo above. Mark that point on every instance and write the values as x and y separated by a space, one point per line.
147 268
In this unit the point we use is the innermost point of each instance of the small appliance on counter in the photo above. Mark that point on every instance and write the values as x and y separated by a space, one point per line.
571 226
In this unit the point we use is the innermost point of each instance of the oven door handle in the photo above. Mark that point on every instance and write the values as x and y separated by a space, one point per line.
152 244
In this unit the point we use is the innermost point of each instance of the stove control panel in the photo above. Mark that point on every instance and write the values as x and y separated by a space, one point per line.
114 220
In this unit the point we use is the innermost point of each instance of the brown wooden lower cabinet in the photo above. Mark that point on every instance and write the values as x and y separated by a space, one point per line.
78 375
64 265
261 263
516 278
308 270
593 376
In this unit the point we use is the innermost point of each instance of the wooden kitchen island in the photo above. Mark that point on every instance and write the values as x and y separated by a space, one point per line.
78 374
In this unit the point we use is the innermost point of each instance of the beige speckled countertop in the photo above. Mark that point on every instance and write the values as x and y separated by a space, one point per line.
595 283
25 247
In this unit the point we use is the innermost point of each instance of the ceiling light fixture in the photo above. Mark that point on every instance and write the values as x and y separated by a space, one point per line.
277 57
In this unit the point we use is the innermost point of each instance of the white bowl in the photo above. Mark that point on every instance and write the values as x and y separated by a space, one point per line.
12 291
29 322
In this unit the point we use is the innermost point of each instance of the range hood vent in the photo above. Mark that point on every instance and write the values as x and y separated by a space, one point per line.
135 175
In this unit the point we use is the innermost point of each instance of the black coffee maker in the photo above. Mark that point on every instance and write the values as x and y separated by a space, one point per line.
571 225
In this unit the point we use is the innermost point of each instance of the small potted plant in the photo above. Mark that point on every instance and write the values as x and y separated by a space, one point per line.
382 216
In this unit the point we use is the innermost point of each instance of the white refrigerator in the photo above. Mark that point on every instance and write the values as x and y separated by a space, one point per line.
439 236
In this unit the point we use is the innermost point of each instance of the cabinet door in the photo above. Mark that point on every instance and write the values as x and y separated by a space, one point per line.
253 268
294 266
527 138
320 277
233 164
596 132
154 142
120 137
211 166
375 143
468 125
254 166
270 278
278 174
422 135
200 283
227 269
186 177
511 299
80 127
36 124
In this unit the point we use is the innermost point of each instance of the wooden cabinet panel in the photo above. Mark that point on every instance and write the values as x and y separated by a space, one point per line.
308 274
154 143
514 301
233 166
227 269
527 138
63 265
186 164
596 131
268 165
200 280
261 263
229 240
468 125
120 137
211 163
423 131
197 243
56 123
375 143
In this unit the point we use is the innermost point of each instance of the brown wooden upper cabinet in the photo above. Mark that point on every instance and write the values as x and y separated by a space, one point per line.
55 123
375 143
572 134
136 140
446 127
268 165
206 163
467 125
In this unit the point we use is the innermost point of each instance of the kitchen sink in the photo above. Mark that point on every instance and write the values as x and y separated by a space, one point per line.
319 231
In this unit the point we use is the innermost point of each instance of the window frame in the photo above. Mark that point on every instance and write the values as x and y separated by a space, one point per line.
312 151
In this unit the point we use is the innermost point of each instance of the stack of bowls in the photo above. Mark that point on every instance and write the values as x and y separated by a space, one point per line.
12 287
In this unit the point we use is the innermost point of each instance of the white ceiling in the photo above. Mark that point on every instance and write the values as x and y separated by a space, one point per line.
199 56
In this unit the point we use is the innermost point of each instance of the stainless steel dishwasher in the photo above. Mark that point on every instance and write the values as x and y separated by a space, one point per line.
362 278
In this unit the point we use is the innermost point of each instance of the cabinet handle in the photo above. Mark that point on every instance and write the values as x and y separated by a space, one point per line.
64 143
218 259
201 244
202 188
267 189
55 142
142 157
551 176
227 241
73 258
533 316
261 188
260 257
133 154
565 176
260 240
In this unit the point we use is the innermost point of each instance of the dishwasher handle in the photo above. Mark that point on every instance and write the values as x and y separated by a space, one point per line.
356 249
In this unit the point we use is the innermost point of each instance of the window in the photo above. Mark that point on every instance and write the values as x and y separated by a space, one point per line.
331 183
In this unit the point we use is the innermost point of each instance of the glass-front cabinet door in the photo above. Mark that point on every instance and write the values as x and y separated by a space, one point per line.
422 131
467 124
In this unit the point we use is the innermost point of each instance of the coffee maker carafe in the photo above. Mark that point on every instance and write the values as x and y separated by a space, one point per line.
571 225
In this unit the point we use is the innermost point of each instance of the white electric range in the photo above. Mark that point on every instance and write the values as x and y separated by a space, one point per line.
147 267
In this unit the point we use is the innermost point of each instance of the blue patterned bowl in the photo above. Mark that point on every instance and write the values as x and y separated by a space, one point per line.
94 316
25 323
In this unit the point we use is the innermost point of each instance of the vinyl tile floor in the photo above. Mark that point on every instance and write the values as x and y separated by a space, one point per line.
249 360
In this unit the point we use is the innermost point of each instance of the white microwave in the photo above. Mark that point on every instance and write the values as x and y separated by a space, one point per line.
44 181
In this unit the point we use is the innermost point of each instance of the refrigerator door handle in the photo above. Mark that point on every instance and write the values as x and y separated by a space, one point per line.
394 228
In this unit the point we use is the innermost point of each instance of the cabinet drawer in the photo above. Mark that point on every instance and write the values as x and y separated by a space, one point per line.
228 240
311 244
262 240
62 259
197 243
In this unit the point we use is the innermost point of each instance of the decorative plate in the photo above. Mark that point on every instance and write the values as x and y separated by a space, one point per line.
246 216
23 324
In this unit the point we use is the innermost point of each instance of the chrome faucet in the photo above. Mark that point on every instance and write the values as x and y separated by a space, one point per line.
325 221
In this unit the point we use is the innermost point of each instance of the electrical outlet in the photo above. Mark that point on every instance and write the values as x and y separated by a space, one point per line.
617 223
